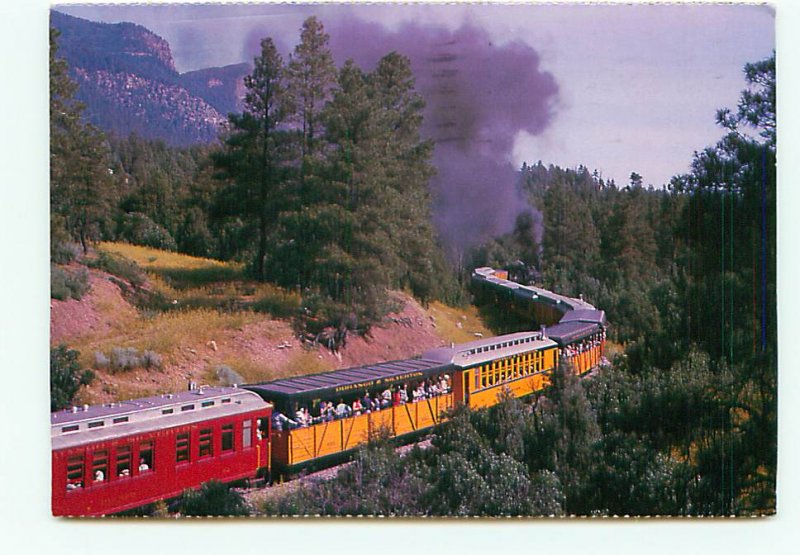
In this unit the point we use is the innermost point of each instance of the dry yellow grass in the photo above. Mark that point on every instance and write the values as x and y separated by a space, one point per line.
305 362
195 282
155 259
448 319
166 332
302 362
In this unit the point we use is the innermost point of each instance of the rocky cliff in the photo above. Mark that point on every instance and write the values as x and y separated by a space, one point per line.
128 82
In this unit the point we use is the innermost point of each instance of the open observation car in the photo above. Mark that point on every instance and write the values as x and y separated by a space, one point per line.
327 435
114 457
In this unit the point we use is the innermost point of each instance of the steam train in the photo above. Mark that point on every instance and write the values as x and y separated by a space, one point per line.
115 457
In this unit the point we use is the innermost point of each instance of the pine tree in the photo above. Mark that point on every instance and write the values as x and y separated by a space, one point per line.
311 76
257 153
81 186
570 242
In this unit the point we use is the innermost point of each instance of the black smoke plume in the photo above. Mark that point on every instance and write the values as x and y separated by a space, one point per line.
479 96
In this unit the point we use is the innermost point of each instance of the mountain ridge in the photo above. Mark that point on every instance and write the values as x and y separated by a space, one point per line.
128 82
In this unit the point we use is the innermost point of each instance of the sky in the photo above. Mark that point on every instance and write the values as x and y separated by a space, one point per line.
638 85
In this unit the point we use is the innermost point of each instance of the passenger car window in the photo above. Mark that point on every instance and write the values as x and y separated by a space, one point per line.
75 472
227 437
182 448
123 461
146 457
205 445
99 466
247 433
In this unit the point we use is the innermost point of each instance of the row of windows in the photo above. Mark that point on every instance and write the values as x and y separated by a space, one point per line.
504 370
503 345
101 468
206 444
104 466
123 419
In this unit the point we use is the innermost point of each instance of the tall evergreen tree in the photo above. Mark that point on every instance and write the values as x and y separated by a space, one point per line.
311 76
729 228
81 185
570 242
406 167
257 153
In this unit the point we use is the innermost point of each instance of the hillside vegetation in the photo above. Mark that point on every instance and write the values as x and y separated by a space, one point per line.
204 320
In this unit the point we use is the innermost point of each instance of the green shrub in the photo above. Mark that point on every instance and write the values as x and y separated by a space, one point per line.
64 252
126 359
66 376
213 499
137 229
277 304
68 284
120 267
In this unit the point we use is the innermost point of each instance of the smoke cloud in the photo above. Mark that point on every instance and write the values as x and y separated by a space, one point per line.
479 96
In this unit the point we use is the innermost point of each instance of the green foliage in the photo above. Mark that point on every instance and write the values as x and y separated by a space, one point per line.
62 249
120 267
190 278
81 184
213 499
562 437
756 107
66 376
172 187
460 476
329 172
311 74
136 228
193 235
632 478
68 284
376 483
123 359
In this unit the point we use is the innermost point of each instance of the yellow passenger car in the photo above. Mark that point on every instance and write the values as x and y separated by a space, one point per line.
321 416
518 364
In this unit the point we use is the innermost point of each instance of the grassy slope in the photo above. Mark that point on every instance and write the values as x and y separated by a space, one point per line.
194 336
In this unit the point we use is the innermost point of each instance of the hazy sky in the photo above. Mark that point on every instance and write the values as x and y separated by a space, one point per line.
638 86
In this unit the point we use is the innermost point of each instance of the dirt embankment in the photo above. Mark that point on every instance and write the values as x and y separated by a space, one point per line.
192 344
101 310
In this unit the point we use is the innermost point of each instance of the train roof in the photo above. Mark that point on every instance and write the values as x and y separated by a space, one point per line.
594 316
567 332
465 355
561 302
88 424
339 383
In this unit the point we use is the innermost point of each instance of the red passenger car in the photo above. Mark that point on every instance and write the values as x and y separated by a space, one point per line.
119 456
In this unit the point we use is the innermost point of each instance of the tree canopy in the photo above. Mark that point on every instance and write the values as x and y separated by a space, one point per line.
330 169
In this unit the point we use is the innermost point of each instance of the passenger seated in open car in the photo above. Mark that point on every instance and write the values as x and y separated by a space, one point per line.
343 410
367 403
282 422
444 384
386 398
